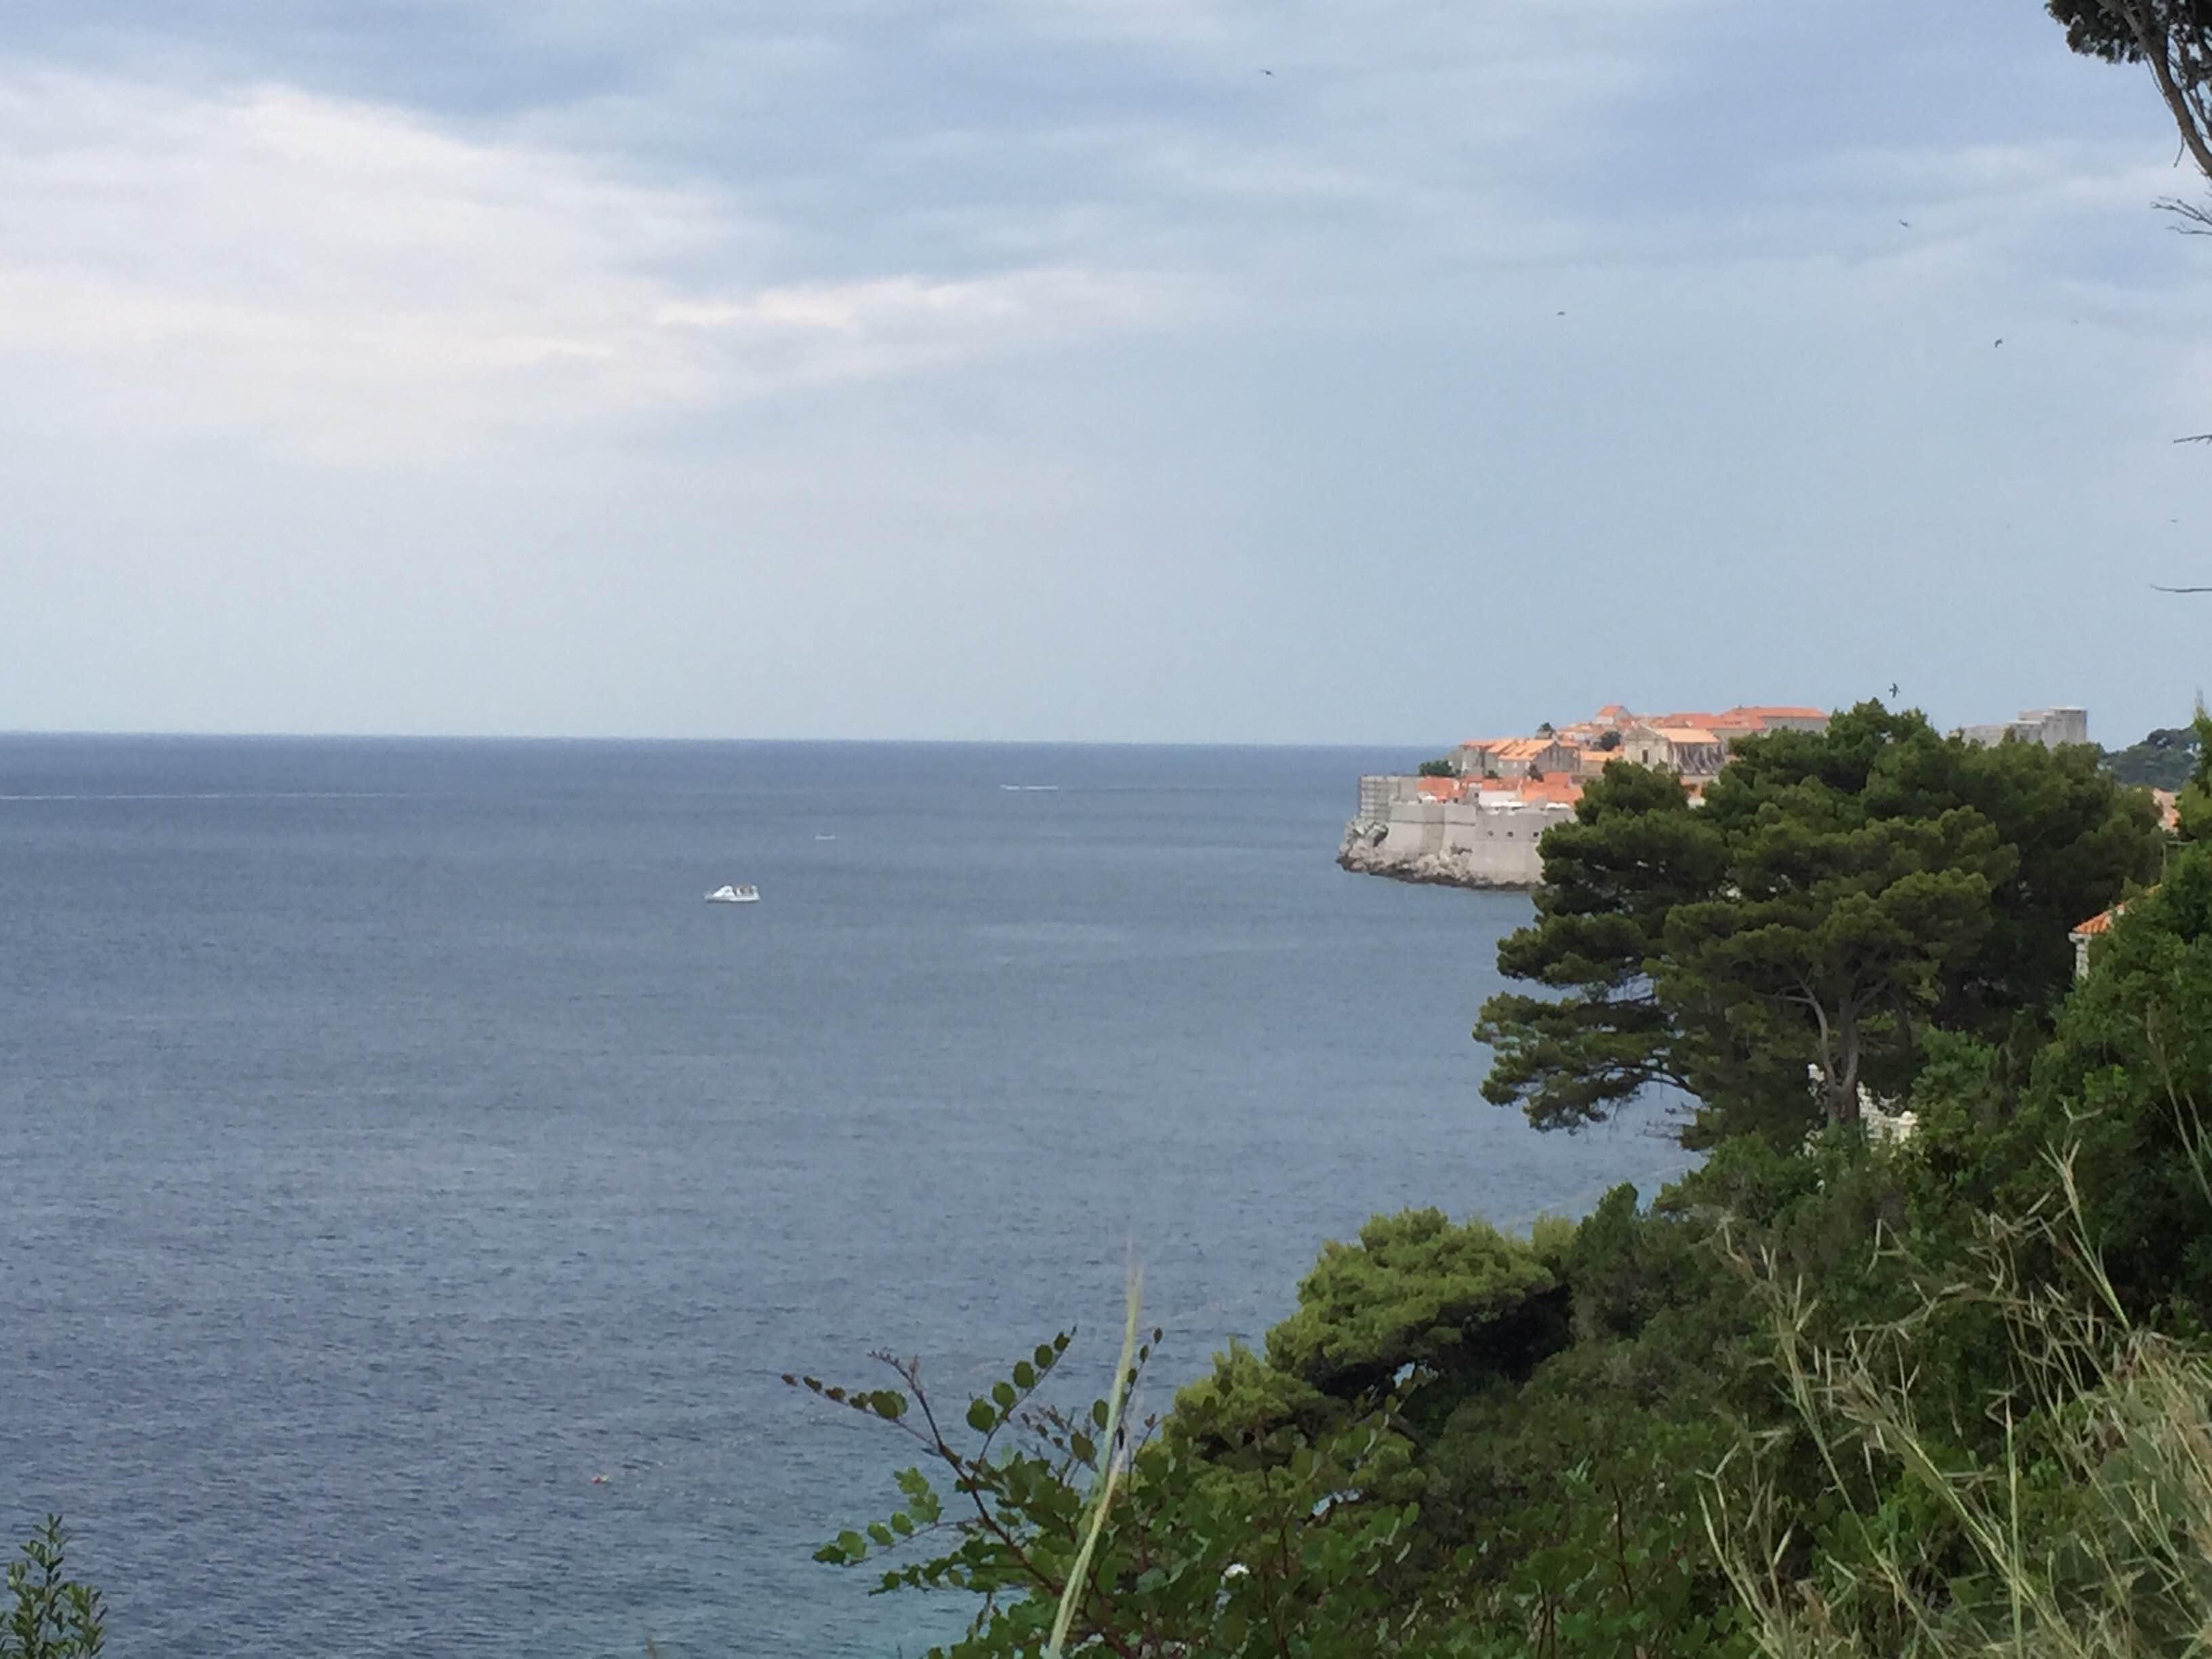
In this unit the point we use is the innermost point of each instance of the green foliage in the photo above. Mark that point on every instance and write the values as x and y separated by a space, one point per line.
2194 802
1837 896
2128 1078
52 1616
1830 1394
2079 1529
1635 850
1296 1555
2163 759
1835 932
1436 768
1418 1290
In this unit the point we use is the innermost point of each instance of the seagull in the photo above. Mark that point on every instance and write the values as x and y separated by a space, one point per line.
1267 71
2181 589
1907 223
1998 341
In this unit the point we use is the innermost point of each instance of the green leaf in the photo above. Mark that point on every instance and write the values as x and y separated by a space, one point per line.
1025 1375
1004 1393
881 1533
980 1417
1098 1412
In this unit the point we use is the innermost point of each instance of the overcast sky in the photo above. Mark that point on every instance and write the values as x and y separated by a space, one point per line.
1192 370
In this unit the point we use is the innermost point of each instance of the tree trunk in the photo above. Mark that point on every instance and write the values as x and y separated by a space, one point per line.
2176 62
1843 1092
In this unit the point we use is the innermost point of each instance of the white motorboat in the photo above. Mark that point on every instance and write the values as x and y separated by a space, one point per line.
742 893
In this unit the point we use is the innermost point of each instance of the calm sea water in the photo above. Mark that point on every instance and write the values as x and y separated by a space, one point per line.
391 1141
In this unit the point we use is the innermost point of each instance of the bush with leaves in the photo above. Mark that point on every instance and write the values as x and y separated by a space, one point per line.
1191 1558
2077 1527
49 1615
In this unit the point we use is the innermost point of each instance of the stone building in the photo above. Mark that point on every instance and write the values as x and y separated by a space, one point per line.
2048 726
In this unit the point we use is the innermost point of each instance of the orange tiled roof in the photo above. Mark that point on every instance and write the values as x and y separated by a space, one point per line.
1685 734
2102 921
1564 792
1780 711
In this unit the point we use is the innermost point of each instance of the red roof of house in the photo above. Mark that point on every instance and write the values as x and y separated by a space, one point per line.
1564 792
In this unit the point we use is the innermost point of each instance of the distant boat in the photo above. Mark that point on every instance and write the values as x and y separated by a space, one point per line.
1030 788
743 893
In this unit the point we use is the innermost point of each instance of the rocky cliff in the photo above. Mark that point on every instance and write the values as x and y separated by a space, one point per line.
1364 851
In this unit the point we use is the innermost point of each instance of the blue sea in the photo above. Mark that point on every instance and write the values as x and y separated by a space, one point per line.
411 1192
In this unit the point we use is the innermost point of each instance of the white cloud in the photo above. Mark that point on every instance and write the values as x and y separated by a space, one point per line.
355 281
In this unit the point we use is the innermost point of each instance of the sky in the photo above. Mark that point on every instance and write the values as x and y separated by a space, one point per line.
1106 370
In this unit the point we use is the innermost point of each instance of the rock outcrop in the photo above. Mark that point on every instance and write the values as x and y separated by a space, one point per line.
1364 853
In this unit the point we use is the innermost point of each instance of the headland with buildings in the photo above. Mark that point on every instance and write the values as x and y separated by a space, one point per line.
1474 818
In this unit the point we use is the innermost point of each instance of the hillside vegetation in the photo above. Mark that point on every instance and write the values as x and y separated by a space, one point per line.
1919 1370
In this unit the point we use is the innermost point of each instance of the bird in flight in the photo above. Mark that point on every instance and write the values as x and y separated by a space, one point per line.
1907 223
2181 589
1998 341
1267 71
1892 691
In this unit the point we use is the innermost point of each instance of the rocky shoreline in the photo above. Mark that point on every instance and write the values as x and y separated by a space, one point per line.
1362 854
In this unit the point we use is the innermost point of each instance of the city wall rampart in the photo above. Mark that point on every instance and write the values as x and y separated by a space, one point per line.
1484 844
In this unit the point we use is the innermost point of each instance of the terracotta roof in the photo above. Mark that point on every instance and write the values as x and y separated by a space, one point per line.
1611 711
1441 788
1685 734
2099 923
1564 791
1780 711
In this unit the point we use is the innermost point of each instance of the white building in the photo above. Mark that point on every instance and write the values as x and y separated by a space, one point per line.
2048 726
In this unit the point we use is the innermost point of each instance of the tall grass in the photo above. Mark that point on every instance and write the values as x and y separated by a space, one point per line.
2087 1534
